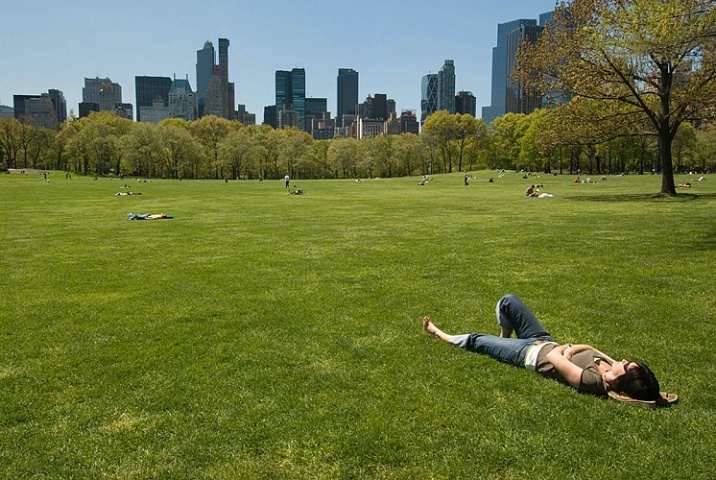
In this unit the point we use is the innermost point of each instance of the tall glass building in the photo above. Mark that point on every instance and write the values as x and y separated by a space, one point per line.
428 96
291 93
501 63
347 94
148 89
446 87
205 60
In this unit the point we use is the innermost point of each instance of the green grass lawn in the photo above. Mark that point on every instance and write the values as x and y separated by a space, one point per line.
261 335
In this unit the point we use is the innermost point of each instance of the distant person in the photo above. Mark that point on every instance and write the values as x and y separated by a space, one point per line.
581 366
288 180
466 177
531 192
147 216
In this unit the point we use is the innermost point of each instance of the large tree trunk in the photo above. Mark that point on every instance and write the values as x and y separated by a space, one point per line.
667 169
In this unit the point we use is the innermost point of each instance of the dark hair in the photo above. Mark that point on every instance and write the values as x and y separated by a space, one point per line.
639 382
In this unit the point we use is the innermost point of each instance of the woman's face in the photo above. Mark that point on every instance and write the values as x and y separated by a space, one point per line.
618 369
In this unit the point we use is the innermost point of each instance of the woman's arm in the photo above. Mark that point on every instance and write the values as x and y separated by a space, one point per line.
571 373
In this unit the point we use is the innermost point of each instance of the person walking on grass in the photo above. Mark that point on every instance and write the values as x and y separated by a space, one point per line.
288 180
581 366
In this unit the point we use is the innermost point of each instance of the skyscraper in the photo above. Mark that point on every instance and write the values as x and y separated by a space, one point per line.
291 94
428 96
347 94
150 91
47 110
102 95
517 99
215 94
446 87
501 66
205 60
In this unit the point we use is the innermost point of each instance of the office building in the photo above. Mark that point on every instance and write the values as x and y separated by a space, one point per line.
517 99
466 103
446 87
7 111
182 100
205 61
323 128
315 110
291 97
409 122
347 94
428 96
270 116
102 95
152 93
245 117
288 117
215 93
47 110
505 95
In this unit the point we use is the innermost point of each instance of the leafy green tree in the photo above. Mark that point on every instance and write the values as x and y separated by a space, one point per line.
235 152
294 151
343 157
684 146
10 140
182 155
320 158
656 58
210 130
505 144
143 150
705 151
40 147
94 142
410 155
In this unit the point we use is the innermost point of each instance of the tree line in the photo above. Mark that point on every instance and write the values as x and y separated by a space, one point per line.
215 148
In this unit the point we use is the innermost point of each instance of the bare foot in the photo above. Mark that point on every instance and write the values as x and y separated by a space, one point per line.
428 325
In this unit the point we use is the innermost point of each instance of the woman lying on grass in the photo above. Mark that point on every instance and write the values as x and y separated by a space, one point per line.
581 366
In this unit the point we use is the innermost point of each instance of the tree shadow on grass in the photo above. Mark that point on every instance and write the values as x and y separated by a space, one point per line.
644 197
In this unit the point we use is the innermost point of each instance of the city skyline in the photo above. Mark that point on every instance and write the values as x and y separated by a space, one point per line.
389 50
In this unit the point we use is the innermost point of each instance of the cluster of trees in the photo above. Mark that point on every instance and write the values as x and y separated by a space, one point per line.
211 147
634 68
640 76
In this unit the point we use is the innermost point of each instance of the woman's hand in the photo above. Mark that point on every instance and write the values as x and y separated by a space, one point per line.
559 357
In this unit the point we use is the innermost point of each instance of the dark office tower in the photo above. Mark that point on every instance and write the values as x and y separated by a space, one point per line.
315 109
518 100
298 79
284 92
446 87
347 93
60 104
465 103
149 89
291 90
227 88
428 96
380 106
500 64
270 116
205 59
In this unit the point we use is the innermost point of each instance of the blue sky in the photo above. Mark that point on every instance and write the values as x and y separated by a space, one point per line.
393 44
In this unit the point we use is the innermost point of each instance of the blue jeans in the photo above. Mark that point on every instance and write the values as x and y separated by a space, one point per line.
511 313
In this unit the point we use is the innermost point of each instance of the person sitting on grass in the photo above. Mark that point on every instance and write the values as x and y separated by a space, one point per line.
582 366
531 192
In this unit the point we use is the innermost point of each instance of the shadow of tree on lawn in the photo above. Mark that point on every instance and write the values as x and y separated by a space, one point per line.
645 197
